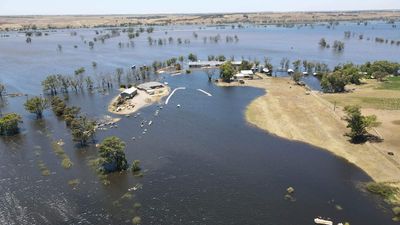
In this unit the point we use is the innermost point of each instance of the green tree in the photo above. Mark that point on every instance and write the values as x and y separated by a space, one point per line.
338 46
192 57
358 123
50 84
79 71
379 75
334 82
226 71
83 129
245 65
9 124
112 154
322 43
70 113
296 65
58 106
36 105
297 77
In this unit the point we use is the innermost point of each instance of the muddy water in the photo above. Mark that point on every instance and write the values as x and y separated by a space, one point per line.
202 163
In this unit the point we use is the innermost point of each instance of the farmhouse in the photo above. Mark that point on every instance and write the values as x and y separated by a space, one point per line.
129 93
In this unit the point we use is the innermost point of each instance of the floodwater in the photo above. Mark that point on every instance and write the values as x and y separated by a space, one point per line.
202 163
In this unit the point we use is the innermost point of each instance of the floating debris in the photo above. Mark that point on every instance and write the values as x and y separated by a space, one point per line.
290 190
322 221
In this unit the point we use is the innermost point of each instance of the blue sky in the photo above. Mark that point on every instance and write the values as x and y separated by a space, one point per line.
23 7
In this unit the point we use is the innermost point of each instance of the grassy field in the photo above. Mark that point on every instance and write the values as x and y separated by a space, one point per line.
393 83
372 94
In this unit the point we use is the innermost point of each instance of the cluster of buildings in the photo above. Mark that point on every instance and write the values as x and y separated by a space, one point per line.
149 87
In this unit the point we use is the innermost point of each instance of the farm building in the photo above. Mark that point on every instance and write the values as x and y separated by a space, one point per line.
129 93
150 87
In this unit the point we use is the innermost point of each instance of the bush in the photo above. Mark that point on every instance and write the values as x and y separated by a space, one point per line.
9 124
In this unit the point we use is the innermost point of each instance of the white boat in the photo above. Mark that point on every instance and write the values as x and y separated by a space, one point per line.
150 122
322 221
305 73
290 71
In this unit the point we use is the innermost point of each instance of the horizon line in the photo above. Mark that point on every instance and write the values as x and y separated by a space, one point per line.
206 13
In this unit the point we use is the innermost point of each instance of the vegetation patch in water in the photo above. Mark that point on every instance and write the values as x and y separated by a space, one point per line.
43 168
386 191
66 161
136 220
73 183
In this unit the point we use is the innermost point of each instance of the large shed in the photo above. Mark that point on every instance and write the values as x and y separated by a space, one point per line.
150 86
129 93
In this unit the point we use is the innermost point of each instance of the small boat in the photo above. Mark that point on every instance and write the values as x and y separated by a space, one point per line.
150 122
305 73
178 106
322 221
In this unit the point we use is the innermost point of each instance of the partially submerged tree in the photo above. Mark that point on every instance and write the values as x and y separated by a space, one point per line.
2 90
358 123
112 154
50 84
9 124
83 129
192 57
36 105
210 72
226 71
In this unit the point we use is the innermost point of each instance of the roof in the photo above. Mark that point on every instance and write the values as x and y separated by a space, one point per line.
212 63
246 72
150 85
129 91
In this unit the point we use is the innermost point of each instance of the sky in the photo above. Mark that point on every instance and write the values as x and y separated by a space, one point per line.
62 7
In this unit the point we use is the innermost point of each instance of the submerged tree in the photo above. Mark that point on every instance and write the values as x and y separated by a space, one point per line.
9 124
112 154
322 43
358 123
210 72
36 105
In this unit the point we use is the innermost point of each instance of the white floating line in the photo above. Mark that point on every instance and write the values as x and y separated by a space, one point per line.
205 92
172 93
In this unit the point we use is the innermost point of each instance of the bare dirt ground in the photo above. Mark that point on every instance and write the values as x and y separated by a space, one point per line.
78 21
141 100
291 112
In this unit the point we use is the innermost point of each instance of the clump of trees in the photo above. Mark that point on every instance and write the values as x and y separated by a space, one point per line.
82 128
37 105
9 124
338 46
334 82
192 57
358 124
226 71
112 155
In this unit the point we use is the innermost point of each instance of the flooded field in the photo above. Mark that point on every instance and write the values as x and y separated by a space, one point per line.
202 163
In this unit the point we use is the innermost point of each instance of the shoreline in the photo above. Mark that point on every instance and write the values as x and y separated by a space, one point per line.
264 18
141 100
291 112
